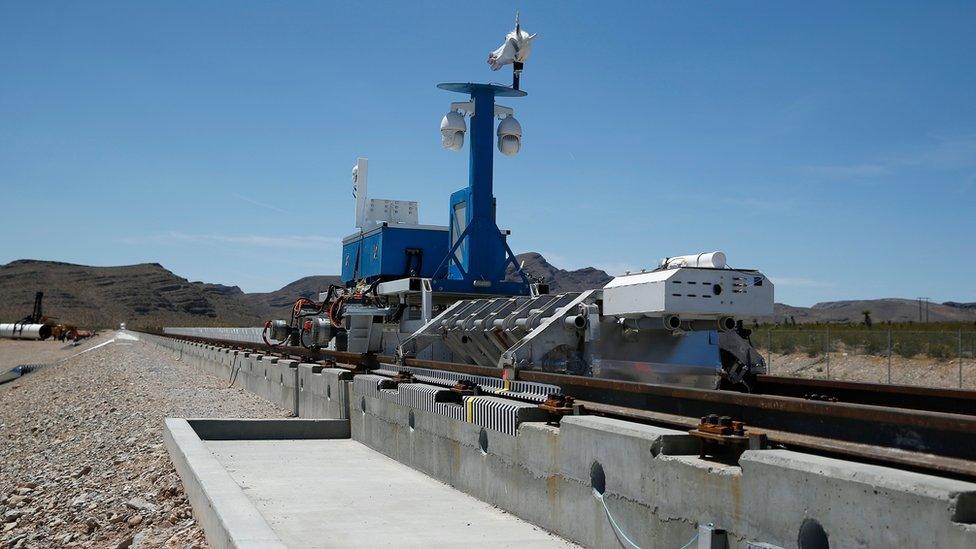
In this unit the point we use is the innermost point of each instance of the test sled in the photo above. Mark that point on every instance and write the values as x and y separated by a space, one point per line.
456 293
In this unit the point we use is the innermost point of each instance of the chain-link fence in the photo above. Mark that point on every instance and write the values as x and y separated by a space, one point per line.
928 358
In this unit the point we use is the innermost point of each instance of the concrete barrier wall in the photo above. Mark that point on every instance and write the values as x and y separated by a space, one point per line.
248 375
221 366
283 384
657 488
218 366
323 393
261 371
258 374
248 335
653 483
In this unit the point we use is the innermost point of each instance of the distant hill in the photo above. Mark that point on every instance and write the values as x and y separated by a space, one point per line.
145 294
560 280
150 295
278 304
889 309
141 295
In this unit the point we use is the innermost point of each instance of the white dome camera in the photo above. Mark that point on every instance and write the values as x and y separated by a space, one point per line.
509 136
453 128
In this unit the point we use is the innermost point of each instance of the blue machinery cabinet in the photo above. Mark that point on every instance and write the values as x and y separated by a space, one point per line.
389 252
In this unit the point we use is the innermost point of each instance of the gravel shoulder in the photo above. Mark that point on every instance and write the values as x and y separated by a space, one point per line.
14 352
82 462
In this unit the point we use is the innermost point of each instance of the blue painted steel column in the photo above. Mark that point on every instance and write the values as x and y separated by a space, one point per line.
483 246
479 265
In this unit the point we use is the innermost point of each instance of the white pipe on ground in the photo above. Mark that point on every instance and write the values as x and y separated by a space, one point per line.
19 330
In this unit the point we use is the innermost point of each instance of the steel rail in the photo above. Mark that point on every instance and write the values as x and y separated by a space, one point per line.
765 403
935 399
900 436
940 433
915 461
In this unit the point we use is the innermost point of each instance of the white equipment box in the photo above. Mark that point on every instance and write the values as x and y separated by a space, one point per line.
393 212
690 293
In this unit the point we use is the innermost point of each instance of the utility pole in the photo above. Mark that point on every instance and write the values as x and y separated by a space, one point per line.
889 356
960 358
923 307
827 352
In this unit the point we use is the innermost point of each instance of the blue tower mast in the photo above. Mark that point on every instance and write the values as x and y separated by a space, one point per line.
479 254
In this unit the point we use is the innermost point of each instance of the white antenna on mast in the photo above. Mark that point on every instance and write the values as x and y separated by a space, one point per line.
360 173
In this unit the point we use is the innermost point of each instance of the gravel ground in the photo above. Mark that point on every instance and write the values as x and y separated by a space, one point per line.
82 462
14 352
924 372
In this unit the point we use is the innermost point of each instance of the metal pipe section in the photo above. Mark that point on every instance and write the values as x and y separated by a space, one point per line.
673 322
19 330
576 321
726 324
669 322
710 260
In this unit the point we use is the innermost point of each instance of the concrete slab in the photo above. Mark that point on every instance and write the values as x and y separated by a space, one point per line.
339 493
227 516
317 490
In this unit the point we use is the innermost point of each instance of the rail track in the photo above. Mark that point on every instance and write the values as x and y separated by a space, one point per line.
915 428
933 399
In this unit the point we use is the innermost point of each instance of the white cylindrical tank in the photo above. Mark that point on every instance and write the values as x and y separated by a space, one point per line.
25 331
708 260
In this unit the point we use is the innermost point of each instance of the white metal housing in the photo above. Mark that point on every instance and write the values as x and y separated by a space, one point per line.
691 293
379 210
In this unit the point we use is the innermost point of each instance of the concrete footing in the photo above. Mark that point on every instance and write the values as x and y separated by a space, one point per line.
220 506
249 488
580 479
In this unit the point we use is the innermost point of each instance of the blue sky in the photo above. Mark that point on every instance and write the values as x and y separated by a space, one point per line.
833 145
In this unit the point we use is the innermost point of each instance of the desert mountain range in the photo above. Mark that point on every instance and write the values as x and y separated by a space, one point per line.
150 295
